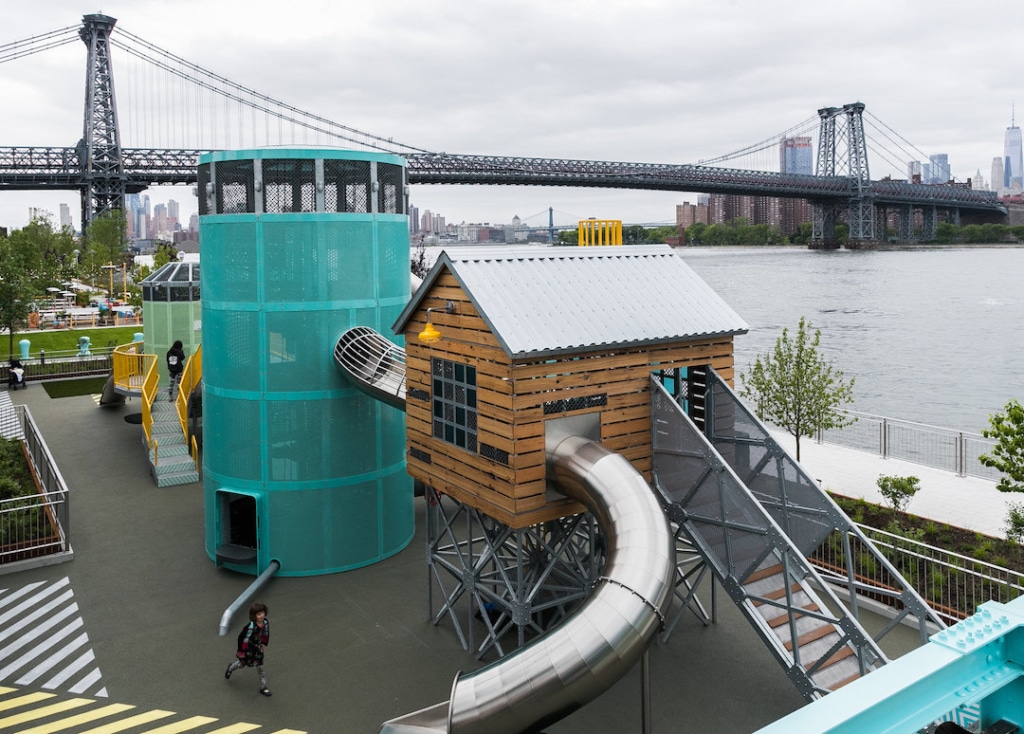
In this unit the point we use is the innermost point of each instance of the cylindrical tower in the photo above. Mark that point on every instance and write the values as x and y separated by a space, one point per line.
171 299
299 245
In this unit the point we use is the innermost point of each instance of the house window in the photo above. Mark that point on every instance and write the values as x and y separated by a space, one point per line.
454 403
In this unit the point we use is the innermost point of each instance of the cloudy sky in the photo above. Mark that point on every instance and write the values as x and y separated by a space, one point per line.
666 81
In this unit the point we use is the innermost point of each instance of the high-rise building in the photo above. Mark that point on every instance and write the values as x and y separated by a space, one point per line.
914 173
688 214
796 155
997 175
1013 163
65 217
939 168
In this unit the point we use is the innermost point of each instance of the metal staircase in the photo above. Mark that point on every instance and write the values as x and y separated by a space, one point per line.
757 519
170 460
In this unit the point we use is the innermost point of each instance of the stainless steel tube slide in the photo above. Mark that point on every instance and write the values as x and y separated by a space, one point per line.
573 664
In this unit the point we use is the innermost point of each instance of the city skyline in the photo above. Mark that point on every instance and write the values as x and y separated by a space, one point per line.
616 81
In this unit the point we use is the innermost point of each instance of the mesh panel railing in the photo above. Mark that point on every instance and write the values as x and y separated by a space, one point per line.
953 585
289 185
919 443
63 364
31 527
346 186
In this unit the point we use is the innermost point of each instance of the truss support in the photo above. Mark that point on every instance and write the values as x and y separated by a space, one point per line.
102 170
504 585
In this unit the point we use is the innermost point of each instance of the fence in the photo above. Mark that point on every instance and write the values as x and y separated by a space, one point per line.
952 584
932 446
34 531
63 365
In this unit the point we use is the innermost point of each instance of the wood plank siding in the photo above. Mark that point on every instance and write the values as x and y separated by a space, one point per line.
511 399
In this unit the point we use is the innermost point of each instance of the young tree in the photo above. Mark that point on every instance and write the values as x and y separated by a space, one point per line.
16 291
796 389
1007 430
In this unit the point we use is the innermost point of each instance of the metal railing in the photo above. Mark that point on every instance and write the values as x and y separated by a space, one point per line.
953 585
34 530
63 364
919 443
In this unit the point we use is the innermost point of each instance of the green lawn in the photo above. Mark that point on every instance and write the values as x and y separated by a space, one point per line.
60 340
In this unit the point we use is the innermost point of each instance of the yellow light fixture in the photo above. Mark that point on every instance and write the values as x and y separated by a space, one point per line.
430 334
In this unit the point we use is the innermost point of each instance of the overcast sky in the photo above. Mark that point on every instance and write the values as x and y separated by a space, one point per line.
666 81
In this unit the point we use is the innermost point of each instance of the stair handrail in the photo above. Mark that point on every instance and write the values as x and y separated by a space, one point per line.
738 538
801 520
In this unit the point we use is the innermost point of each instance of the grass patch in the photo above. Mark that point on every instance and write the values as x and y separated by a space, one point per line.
62 340
71 388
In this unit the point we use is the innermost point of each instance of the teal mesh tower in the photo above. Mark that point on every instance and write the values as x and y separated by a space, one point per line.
173 311
299 245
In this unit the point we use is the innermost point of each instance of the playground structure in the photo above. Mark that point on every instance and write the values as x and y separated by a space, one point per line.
568 412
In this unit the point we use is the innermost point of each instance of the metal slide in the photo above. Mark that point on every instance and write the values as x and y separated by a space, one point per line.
598 644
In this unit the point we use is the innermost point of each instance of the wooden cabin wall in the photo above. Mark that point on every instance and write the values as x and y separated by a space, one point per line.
511 402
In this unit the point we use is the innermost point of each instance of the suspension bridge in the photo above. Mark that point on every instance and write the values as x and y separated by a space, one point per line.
196 106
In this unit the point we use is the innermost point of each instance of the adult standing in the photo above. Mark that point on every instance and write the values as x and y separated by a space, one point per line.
175 366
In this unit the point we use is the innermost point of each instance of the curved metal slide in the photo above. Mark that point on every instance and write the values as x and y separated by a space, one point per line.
576 662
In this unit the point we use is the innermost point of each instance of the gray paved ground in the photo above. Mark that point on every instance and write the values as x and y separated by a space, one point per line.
348 650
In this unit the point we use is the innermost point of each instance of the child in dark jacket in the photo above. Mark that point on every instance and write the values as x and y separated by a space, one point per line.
251 643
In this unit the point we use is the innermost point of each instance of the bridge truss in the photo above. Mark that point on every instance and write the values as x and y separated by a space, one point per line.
104 172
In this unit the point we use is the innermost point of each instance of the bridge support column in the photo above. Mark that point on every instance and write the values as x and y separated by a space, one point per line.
823 226
929 223
906 231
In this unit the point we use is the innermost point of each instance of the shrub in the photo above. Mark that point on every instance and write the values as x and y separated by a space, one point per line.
898 490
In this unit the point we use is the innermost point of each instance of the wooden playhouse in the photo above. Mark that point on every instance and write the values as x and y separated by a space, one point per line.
530 336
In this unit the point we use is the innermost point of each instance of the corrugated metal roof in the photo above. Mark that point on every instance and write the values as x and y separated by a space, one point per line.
550 300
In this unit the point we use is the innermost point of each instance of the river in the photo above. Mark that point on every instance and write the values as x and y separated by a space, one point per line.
934 335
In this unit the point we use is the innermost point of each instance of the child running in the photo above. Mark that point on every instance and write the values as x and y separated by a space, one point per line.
251 643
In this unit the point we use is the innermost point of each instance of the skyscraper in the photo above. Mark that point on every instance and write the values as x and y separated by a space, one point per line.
1013 165
939 168
997 175
796 155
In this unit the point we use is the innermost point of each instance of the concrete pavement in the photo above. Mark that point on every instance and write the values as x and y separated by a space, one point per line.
348 650
966 502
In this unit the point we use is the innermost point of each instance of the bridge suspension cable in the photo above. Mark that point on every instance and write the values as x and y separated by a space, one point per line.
806 126
249 98
35 44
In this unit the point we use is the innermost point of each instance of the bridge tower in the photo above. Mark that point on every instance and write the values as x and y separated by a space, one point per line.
103 179
844 127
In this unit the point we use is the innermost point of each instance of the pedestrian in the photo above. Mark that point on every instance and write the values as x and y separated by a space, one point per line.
175 366
252 641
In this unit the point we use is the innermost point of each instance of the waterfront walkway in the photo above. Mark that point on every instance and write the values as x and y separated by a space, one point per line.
966 502
348 650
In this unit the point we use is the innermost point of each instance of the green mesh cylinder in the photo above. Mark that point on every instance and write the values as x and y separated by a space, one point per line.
298 466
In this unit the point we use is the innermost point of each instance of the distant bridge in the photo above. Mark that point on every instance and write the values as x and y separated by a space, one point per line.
104 172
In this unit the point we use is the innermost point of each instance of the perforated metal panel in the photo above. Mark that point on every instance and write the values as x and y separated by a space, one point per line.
235 184
281 284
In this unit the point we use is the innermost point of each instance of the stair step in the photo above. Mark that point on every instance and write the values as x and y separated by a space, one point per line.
777 594
173 480
818 633
763 573
783 618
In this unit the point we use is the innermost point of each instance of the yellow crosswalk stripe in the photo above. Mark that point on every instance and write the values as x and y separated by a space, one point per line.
131 722
43 712
235 728
5 689
184 725
83 718
28 698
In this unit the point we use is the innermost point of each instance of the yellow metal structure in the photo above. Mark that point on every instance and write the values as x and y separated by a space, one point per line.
599 232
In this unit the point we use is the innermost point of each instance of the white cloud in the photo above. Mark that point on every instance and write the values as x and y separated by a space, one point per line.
644 80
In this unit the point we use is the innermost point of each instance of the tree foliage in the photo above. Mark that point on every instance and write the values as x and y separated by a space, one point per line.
105 239
898 491
1007 456
16 290
796 388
